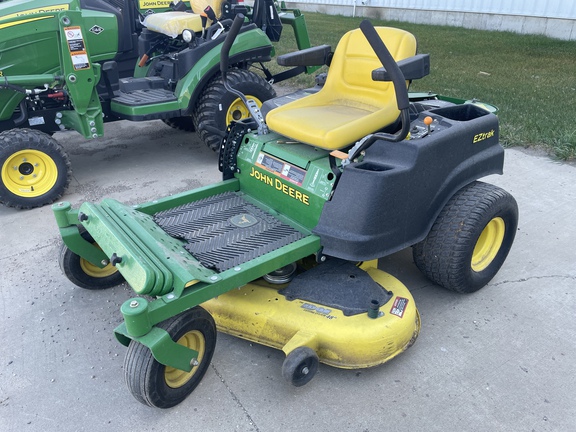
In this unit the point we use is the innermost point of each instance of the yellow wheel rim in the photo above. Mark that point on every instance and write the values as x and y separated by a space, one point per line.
176 378
29 173
97 272
238 111
488 244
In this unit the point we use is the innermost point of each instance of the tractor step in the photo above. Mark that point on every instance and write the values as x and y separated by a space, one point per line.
141 99
224 230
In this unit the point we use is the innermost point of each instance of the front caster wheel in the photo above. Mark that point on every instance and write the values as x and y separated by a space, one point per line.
300 366
470 239
84 274
160 386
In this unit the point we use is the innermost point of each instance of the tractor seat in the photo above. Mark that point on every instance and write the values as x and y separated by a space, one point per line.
350 105
174 23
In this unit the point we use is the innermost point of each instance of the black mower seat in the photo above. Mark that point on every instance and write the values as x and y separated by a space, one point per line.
174 23
350 105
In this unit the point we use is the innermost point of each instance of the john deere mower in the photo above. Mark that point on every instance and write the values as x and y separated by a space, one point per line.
283 251
76 64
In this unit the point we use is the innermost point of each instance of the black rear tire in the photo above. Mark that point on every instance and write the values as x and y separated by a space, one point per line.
470 239
34 169
160 386
185 123
217 107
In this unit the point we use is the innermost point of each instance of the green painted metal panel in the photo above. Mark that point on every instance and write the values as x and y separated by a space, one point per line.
296 179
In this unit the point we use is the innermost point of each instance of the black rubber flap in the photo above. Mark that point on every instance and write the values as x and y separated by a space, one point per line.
224 230
339 284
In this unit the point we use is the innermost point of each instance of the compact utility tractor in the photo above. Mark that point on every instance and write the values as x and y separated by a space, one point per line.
283 251
77 64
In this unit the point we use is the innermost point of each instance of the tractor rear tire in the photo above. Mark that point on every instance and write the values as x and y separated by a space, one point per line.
184 123
34 169
470 239
161 386
217 107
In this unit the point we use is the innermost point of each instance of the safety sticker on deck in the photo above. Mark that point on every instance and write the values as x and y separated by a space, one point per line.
399 306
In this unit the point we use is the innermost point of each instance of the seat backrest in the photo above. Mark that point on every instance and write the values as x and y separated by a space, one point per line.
198 6
350 105
354 60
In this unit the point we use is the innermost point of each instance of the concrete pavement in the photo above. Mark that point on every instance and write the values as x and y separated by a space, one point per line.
501 359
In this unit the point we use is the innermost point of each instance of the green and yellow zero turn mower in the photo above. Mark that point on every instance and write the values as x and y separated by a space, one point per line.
283 250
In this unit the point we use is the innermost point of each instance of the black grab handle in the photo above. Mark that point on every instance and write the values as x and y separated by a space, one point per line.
230 37
388 62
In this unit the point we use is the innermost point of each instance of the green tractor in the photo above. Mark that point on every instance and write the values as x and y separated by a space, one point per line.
284 250
77 64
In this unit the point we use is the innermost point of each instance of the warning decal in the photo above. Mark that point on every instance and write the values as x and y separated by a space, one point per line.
283 169
399 306
77 48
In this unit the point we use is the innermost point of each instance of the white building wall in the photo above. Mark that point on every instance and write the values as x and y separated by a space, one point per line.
553 18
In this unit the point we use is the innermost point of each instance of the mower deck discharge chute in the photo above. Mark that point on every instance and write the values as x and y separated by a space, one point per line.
283 251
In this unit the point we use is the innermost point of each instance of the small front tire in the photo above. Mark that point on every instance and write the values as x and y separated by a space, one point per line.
34 169
84 274
160 386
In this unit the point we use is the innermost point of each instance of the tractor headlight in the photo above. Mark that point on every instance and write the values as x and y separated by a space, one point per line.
187 35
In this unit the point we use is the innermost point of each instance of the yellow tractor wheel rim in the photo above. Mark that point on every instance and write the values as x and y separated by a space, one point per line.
29 173
176 378
95 271
488 244
238 111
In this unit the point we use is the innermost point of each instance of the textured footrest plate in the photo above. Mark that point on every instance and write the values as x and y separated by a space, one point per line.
225 230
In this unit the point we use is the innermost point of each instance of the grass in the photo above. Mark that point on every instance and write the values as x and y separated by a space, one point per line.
532 79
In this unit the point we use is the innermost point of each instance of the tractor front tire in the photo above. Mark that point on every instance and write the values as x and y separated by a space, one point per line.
84 274
160 386
217 107
470 239
34 169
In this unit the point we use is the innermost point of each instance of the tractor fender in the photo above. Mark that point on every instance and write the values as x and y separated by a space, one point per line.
201 66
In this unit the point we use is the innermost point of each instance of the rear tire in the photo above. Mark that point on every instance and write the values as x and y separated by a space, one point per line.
217 107
185 123
34 169
470 239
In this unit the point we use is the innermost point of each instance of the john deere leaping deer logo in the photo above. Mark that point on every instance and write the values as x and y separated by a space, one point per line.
243 220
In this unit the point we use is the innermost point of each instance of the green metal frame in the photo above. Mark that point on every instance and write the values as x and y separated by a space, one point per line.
155 264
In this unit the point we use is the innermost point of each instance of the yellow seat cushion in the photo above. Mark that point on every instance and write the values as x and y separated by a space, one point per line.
174 23
350 105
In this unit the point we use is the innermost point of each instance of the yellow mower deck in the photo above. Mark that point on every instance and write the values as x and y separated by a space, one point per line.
259 313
